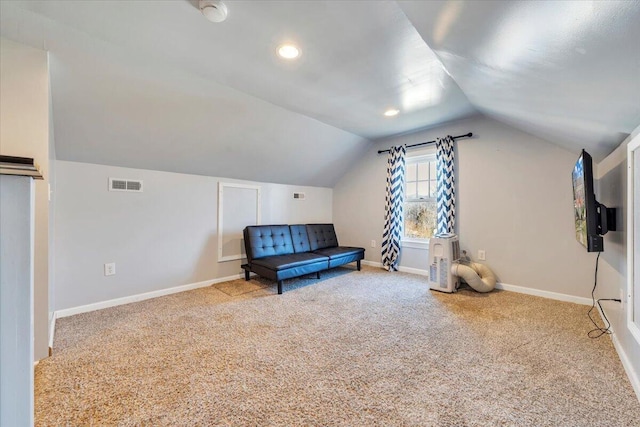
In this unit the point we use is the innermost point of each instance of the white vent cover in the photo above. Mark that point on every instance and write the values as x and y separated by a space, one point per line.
118 184
298 196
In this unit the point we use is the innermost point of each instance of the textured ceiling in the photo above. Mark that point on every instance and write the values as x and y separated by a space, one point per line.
153 84
566 71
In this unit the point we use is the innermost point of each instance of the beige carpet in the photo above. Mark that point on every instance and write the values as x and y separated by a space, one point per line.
366 348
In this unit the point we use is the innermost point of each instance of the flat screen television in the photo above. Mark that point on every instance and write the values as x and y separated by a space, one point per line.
592 219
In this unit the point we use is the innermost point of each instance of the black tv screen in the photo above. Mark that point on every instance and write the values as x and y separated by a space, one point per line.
585 206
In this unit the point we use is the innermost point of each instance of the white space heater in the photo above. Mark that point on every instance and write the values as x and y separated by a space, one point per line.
443 251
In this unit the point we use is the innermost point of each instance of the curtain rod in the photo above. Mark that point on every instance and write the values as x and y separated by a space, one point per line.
467 135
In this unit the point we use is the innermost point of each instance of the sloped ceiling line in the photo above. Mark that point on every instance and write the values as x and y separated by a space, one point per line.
155 85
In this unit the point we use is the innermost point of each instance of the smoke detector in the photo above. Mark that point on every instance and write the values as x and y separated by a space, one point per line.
213 10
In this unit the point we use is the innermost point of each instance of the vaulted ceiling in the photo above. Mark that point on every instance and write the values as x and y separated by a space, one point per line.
154 85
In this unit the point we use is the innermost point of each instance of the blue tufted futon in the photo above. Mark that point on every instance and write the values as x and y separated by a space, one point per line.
280 252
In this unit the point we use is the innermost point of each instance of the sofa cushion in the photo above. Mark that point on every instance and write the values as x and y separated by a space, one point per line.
283 262
339 252
321 236
300 238
267 240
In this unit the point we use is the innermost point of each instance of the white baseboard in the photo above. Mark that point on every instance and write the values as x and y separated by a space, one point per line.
503 286
403 269
141 297
634 379
632 374
544 294
372 263
414 271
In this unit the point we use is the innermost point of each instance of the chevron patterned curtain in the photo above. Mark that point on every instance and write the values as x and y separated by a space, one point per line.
394 205
446 188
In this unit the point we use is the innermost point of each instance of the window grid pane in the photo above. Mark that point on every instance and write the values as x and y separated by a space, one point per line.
411 190
423 171
423 189
411 173
420 203
420 180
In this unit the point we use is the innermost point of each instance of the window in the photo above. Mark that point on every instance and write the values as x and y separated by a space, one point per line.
420 197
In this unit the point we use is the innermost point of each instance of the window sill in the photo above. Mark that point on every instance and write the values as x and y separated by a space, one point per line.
416 243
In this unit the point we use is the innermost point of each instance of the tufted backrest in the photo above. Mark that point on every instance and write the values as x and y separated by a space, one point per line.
266 240
322 236
300 238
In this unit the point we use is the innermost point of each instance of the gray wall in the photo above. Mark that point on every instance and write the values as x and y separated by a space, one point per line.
164 237
514 200
24 114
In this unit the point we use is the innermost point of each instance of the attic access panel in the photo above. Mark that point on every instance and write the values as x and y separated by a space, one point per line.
238 206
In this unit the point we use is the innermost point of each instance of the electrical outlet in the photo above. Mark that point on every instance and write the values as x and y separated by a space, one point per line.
482 256
373 243
110 269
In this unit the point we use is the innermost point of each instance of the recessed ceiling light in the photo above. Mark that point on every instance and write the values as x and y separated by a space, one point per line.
391 112
288 51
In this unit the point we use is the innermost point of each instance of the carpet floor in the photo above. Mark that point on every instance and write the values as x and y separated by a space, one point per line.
367 348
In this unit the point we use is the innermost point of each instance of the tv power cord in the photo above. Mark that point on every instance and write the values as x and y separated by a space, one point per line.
598 331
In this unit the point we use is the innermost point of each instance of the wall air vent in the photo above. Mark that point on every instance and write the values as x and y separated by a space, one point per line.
298 196
131 185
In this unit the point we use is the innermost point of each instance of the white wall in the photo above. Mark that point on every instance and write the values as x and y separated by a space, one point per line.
24 114
164 237
514 200
612 272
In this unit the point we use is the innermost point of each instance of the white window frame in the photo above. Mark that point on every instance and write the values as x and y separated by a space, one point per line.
414 242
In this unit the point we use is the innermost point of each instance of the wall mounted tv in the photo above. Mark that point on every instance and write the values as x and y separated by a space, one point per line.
592 219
